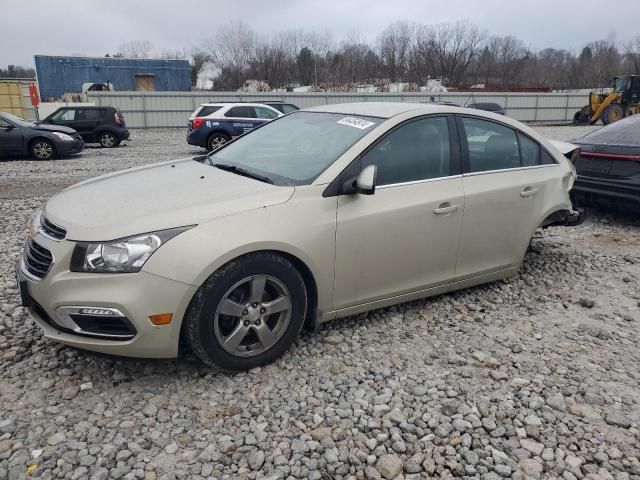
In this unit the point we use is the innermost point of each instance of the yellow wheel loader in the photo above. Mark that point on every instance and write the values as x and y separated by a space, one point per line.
623 101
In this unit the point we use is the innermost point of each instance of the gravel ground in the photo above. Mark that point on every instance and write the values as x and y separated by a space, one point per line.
533 377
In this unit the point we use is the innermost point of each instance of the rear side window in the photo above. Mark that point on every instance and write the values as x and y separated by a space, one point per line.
90 114
491 146
415 151
4 123
529 150
208 110
242 112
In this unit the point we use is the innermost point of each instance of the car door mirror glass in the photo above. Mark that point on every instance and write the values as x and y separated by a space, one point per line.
366 180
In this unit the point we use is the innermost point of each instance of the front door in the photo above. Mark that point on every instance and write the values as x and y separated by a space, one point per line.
403 238
10 137
504 184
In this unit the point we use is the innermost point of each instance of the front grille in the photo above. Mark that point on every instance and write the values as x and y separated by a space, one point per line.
37 259
52 230
100 325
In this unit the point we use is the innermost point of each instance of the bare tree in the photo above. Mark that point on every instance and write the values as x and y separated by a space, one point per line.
394 45
632 55
135 49
452 48
231 50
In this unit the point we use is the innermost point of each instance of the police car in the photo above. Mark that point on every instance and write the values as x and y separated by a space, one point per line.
213 124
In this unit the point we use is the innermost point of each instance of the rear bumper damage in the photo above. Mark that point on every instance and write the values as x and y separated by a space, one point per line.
564 218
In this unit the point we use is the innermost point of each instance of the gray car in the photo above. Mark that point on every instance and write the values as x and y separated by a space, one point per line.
40 142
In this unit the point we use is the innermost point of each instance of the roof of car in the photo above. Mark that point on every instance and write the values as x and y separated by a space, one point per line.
232 104
382 109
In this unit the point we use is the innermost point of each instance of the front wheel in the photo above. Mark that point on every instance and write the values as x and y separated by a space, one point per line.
612 113
108 140
42 150
216 140
248 313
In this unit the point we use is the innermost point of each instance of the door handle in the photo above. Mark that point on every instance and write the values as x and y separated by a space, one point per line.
444 208
528 192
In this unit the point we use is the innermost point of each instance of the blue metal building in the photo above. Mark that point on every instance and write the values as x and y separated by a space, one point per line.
60 75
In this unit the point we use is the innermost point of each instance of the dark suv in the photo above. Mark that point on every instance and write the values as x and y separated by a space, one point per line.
103 125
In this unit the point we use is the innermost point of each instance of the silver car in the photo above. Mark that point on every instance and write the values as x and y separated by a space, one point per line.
320 214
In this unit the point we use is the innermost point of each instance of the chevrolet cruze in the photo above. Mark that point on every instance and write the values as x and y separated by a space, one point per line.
320 214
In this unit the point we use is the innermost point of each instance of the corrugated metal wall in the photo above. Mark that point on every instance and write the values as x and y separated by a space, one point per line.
15 99
60 75
171 109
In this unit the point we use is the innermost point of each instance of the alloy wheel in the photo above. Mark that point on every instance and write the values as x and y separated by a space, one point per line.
107 140
43 150
252 316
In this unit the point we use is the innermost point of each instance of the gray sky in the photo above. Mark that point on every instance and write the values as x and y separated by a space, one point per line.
90 27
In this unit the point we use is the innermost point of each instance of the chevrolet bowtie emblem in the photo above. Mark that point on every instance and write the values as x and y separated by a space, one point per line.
32 230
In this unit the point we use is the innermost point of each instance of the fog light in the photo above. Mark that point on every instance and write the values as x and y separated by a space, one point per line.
107 312
161 318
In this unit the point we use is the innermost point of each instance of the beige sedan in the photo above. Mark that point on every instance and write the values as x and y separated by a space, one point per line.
320 214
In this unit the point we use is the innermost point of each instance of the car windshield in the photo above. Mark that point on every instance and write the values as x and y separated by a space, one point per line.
296 148
16 120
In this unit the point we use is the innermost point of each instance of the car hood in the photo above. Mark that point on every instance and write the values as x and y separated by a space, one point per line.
157 197
54 128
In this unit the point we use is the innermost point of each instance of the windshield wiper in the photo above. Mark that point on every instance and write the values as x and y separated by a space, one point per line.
241 171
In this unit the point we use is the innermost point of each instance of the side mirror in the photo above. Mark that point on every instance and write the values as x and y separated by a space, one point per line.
365 183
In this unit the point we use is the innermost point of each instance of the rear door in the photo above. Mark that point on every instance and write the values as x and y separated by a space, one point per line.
87 120
404 238
504 183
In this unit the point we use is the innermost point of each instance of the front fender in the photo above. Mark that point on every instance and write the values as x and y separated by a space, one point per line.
194 255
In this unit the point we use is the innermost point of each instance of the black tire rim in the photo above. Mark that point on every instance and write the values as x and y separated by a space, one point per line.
252 316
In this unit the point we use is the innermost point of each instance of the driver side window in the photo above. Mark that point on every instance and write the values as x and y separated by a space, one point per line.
64 116
416 151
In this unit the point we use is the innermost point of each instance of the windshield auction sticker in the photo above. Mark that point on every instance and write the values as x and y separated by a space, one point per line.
355 122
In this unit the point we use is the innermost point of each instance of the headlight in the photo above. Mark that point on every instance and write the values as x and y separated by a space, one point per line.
126 255
63 136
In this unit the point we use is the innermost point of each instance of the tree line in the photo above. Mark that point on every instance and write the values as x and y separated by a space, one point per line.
459 53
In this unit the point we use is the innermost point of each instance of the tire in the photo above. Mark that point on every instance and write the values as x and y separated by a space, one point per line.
216 140
612 113
108 140
42 149
581 118
228 322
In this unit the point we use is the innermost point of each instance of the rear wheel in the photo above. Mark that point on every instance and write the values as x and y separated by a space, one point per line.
108 140
248 313
612 113
42 149
216 140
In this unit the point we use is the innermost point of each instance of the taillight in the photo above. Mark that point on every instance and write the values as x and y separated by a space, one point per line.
197 123
116 118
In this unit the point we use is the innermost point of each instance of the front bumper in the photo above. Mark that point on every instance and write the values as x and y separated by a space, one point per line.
136 296
69 148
